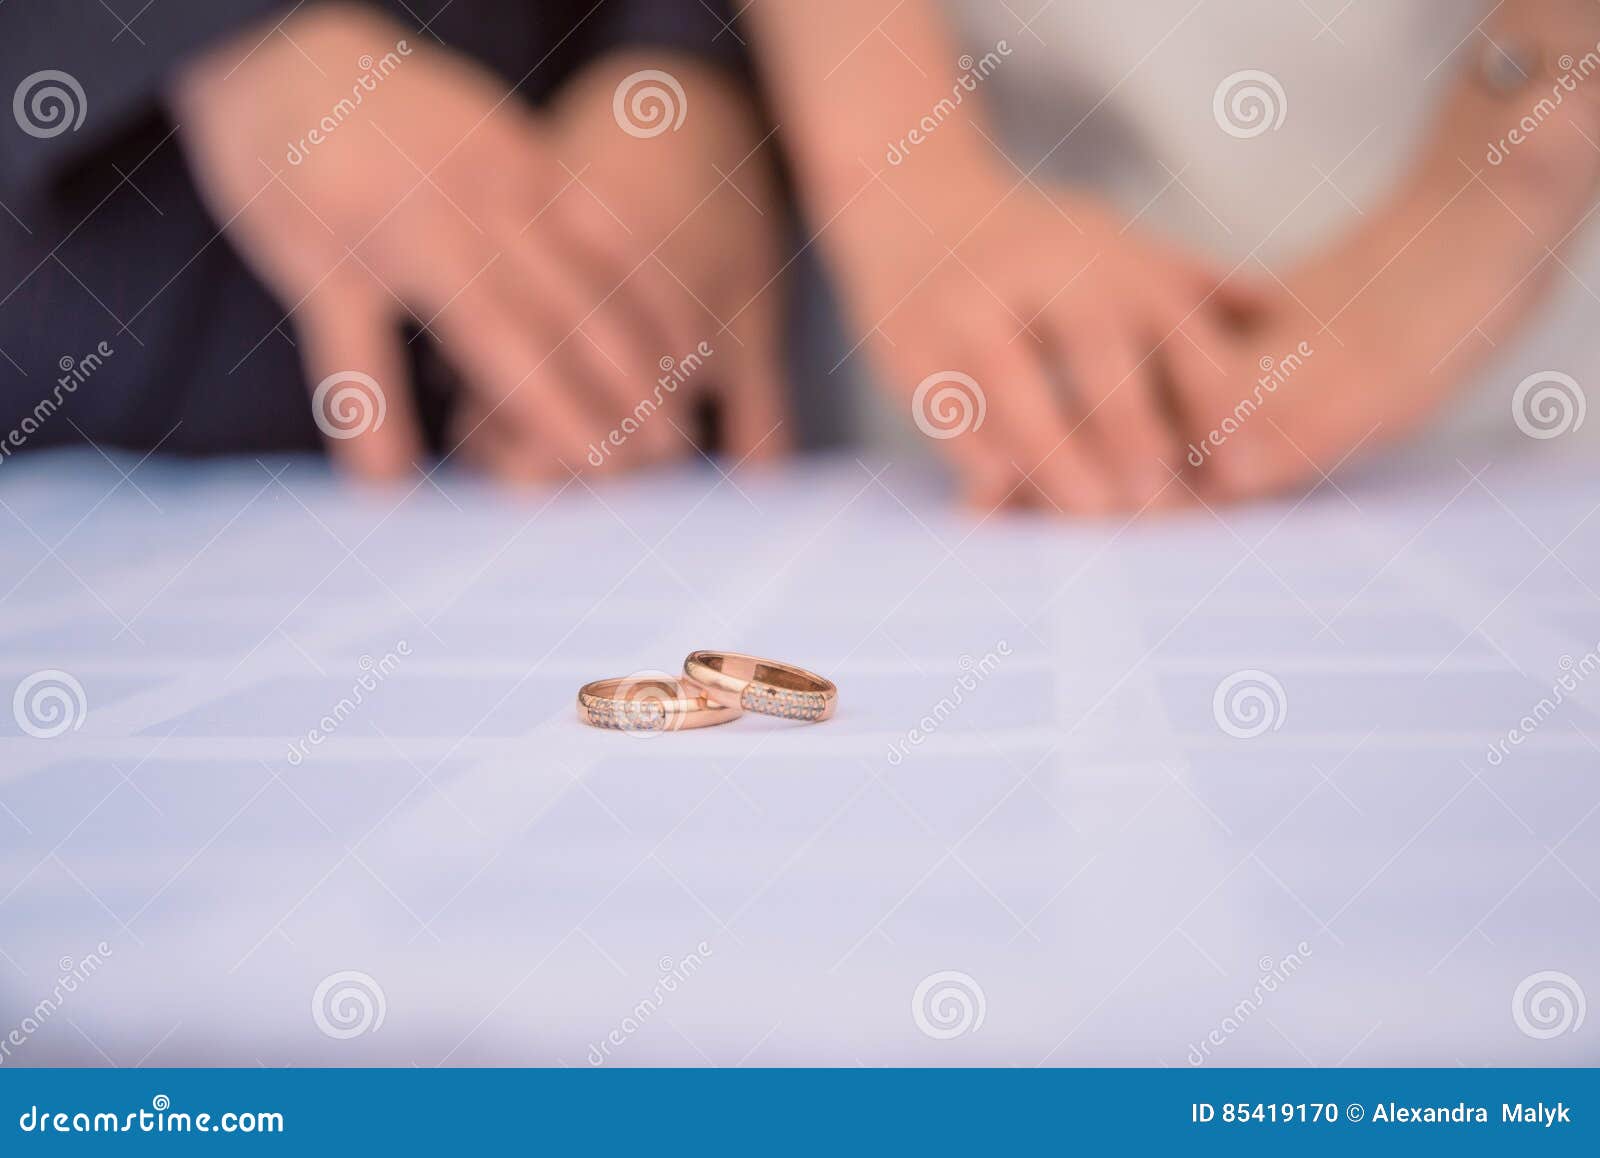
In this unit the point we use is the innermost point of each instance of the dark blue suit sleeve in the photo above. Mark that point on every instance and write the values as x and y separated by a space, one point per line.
75 76
703 28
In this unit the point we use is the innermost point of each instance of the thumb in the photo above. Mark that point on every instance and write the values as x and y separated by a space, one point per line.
1262 458
1240 296
1243 299
360 390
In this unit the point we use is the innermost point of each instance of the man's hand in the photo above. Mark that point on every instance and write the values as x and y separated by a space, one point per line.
368 177
700 202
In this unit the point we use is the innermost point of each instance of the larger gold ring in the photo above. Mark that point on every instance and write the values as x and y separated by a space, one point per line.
762 685
650 704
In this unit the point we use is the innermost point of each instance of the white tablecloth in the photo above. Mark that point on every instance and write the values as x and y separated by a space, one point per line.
1102 861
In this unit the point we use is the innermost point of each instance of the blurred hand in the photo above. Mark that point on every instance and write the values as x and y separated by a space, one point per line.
1072 325
1362 345
1364 341
1297 399
368 177
700 203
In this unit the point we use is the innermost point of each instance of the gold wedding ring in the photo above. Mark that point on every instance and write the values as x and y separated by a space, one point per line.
766 686
650 704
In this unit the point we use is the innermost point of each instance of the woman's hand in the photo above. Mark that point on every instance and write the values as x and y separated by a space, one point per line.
1372 334
1070 325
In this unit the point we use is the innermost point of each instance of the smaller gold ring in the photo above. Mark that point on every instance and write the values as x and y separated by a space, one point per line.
655 703
762 685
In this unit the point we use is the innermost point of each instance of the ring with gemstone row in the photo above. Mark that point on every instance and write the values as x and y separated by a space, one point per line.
762 685
657 703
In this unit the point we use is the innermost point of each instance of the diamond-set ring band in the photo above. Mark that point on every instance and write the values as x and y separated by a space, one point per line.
716 687
761 685
649 705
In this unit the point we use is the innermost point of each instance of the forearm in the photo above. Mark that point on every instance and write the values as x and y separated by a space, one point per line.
871 86
1508 173
1521 124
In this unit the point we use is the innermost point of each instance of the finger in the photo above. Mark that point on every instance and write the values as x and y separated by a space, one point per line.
1266 455
1033 426
1199 282
508 454
1244 301
1197 272
489 341
1237 304
951 408
598 347
361 394
1115 386
1215 403
986 478
754 387
629 270
465 436
471 436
